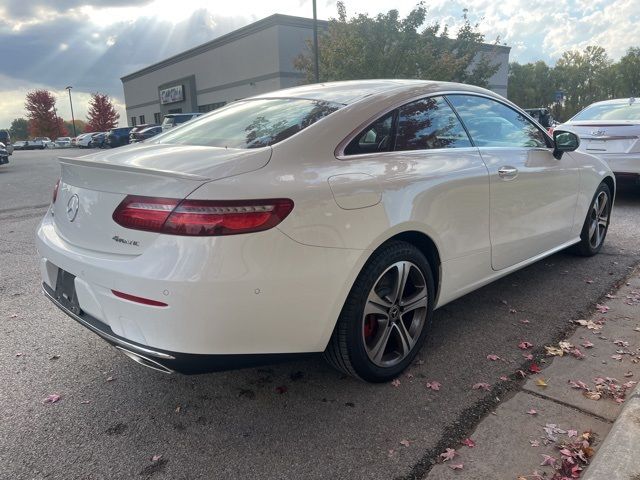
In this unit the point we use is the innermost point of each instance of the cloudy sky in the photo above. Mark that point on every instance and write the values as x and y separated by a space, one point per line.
90 44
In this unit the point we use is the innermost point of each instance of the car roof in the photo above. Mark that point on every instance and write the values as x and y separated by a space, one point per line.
351 91
617 101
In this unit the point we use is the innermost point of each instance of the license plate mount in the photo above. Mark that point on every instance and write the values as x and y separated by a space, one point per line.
65 292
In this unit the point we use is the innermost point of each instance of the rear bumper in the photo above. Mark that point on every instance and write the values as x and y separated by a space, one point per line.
163 360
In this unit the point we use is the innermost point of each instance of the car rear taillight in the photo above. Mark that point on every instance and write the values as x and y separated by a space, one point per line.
200 217
55 191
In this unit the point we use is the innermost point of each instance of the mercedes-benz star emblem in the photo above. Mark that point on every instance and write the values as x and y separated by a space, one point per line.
72 207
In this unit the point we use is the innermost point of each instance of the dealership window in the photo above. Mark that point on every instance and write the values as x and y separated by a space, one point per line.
133 121
175 110
210 107
157 118
141 119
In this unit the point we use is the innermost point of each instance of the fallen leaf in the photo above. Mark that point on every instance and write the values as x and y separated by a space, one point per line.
592 395
587 344
524 345
156 458
578 384
513 310
13 315
532 411
469 443
534 368
617 357
434 385
525 321
541 382
404 443
528 356
178 408
482 385
110 379
548 460
456 466
449 454
85 402
628 374
504 378
395 383
534 443
572 433
53 398
54 357
608 295
589 281
493 357
19 354
602 308
521 373
555 351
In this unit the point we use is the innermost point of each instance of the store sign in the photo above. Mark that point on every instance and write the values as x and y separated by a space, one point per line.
171 95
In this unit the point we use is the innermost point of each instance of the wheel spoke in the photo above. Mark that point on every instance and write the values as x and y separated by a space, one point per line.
419 300
376 304
602 204
377 351
405 340
592 229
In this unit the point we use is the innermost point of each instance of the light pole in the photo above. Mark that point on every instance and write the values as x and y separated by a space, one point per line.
315 43
73 121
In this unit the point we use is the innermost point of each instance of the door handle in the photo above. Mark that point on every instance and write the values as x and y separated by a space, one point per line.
508 172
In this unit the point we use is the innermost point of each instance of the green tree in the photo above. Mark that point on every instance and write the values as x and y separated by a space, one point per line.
629 73
19 129
387 46
80 126
531 85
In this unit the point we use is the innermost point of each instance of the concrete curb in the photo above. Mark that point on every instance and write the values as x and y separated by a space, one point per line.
618 458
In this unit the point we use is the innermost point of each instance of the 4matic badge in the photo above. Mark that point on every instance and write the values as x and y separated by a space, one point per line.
118 239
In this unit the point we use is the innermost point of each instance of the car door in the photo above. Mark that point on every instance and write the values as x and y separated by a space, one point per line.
533 194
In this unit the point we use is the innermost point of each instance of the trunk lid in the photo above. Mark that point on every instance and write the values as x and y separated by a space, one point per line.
91 187
606 136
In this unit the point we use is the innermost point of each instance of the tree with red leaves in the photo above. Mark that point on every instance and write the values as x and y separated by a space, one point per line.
43 121
102 115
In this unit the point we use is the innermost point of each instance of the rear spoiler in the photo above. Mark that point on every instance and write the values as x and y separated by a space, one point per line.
129 168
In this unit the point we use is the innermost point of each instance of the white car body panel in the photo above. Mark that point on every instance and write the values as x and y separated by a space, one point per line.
281 290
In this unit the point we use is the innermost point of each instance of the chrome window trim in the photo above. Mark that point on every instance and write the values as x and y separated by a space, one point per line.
339 150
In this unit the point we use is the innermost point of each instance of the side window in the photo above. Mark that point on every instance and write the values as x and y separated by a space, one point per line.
429 123
492 124
375 138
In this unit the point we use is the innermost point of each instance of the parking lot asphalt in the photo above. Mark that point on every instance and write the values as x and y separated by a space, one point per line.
292 420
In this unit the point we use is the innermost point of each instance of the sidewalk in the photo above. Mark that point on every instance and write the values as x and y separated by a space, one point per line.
563 418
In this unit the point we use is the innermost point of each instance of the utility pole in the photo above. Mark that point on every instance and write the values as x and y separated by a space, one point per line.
73 121
315 43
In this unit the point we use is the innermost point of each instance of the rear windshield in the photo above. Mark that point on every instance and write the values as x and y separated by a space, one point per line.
176 119
251 123
610 111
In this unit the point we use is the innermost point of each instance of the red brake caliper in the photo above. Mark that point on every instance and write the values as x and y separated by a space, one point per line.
370 326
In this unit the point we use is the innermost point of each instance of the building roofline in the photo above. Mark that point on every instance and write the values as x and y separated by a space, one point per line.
263 24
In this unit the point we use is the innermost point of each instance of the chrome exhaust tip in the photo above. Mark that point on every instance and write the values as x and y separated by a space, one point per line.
145 361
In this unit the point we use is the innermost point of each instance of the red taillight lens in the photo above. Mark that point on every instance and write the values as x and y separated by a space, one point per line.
55 191
133 298
201 217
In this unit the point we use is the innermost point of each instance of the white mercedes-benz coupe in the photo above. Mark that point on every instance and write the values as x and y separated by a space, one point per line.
611 131
323 218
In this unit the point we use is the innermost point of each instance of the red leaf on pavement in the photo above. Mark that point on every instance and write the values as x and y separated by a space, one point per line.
434 385
602 308
469 443
528 356
404 443
525 321
524 345
395 383
493 357
587 344
534 368
456 466
448 454
156 458
572 433
482 385
53 398
533 411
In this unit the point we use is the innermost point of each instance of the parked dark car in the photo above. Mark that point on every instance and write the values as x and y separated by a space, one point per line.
116 137
4 155
542 116
98 140
5 139
145 133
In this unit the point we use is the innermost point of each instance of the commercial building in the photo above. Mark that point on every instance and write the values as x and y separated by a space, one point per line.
254 59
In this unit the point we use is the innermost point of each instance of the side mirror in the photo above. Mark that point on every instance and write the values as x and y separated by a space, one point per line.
564 142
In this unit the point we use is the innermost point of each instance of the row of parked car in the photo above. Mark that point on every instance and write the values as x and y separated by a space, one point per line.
115 137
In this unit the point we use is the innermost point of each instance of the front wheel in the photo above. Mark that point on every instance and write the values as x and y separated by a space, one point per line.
386 316
596 224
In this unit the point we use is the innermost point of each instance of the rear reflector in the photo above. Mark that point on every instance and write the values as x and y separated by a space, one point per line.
144 301
201 217
55 191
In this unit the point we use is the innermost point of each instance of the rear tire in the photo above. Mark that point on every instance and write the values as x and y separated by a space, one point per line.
596 224
386 316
